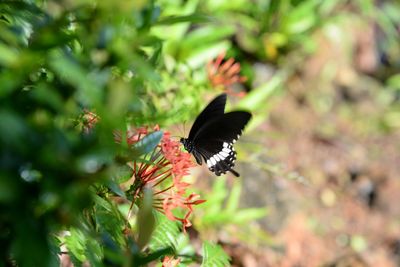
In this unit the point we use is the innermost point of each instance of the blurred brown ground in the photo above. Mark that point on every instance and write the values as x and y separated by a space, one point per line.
342 206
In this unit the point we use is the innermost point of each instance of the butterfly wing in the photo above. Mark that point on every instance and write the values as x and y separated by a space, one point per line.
214 140
214 109
220 161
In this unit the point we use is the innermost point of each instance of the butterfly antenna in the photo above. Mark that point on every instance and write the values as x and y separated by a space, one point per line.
184 128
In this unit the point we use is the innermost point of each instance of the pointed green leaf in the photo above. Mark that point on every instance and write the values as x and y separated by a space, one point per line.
248 215
260 95
214 256
114 187
155 255
234 197
146 145
165 234
197 18
146 219
121 173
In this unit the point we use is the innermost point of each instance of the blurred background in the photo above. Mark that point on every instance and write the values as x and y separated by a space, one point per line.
319 161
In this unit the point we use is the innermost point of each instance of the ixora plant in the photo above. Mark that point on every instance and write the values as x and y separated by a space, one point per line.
143 213
143 210
162 171
151 177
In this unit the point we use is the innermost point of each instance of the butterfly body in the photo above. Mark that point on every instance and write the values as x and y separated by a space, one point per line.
213 134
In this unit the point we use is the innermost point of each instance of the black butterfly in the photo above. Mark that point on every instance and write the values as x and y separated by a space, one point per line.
213 134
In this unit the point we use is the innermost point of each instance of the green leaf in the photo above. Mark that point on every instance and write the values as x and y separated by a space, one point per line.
222 207
394 82
146 145
121 173
259 95
145 219
248 215
234 197
154 256
114 187
8 56
71 72
301 18
165 234
196 18
215 199
206 36
82 246
109 219
76 245
214 256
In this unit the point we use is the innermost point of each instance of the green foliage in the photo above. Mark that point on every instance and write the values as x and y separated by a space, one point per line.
222 207
58 58
145 219
214 255
256 101
132 63
81 247
145 145
165 234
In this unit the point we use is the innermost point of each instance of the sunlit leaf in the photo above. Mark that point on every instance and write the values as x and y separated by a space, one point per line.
145 219
258 97
214 256
165 234
394 82
189 18
115 188
146 144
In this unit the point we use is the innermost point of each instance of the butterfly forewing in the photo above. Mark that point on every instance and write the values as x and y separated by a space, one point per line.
214 109
227 127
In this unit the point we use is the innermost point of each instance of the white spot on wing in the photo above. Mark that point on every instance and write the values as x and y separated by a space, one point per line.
222 157
213 161
225 144
216 157
224 154
226 150
209 163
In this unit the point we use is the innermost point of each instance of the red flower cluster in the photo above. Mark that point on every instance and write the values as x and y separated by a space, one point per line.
225 74
163 170
170 262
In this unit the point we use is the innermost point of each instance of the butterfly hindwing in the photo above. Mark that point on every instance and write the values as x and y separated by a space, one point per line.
215 140
222 160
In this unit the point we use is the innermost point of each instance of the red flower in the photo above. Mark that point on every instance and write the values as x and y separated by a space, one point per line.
170 262
175 201
225 74
163 170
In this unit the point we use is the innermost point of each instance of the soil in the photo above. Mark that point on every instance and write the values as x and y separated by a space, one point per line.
328 171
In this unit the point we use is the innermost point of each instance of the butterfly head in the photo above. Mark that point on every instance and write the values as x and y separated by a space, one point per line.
186 144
